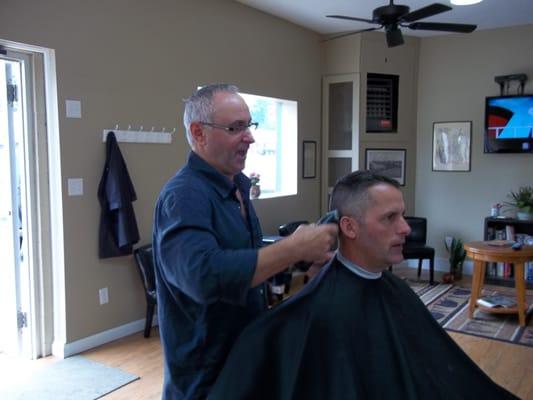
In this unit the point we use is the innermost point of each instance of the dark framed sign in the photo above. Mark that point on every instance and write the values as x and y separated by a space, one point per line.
388 162
309 159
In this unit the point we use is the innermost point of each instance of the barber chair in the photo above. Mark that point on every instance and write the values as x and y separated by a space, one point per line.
144 258
415 245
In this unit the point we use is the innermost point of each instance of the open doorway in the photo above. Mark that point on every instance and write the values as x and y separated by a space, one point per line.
29 184
15 232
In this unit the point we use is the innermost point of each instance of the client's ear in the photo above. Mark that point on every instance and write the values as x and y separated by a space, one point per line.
348 227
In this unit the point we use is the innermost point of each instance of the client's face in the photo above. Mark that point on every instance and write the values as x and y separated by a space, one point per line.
383 229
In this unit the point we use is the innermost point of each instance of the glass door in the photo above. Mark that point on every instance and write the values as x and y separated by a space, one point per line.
340 130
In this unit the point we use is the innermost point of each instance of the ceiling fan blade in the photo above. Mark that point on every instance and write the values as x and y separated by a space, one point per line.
438 26
424 12
351 33
351 18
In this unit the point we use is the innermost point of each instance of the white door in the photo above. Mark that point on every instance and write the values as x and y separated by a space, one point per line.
340 130
15 337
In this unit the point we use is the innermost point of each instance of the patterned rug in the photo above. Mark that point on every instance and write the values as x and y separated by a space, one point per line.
449 305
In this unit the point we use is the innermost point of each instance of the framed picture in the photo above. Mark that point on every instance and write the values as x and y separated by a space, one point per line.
309 159
388 162
452 146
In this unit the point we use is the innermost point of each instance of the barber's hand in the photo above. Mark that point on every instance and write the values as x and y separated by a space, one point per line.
312 243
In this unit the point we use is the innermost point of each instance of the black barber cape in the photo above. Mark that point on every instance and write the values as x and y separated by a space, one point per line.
345 337
118 226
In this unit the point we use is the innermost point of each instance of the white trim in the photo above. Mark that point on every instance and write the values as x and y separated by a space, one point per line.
53 263
99 339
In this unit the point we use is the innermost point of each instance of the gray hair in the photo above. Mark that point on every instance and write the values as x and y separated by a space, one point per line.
351 196
199 107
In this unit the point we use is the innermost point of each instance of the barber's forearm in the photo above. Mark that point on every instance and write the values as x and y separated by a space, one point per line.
309 243
273 259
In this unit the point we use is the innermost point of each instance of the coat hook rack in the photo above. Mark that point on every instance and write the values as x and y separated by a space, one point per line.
130 135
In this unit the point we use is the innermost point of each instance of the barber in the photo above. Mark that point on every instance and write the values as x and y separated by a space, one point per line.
210 266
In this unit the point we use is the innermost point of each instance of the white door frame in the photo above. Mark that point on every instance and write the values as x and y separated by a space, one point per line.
48 270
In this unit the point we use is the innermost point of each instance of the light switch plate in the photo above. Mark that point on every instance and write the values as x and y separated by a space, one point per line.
73 108
75 187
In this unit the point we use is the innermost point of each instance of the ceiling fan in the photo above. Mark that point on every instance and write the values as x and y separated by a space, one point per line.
393 16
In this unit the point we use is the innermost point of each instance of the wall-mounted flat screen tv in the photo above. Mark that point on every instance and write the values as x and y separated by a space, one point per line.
509 124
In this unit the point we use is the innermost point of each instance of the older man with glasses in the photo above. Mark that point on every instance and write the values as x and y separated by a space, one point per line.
210 267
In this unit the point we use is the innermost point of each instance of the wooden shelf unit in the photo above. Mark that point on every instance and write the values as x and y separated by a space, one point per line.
492 225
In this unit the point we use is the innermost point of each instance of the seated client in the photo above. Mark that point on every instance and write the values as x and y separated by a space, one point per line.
355 331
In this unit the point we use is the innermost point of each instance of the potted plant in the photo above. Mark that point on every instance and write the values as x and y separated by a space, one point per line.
522 200
457 257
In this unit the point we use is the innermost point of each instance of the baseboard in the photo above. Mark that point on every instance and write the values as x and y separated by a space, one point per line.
69 349
442 264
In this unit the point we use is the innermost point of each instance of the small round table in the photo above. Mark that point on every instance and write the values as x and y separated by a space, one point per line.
481 253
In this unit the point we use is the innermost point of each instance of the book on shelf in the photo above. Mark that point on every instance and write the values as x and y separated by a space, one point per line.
529 271
496 301
509 232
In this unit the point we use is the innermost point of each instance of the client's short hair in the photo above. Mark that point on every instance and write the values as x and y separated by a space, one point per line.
350 194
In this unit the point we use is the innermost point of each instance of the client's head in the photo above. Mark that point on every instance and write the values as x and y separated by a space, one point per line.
372 229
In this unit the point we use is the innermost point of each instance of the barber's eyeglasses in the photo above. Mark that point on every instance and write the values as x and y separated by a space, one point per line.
235 127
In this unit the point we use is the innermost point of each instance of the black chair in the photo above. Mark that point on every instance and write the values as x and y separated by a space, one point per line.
280 284
415 245
289 228
144 259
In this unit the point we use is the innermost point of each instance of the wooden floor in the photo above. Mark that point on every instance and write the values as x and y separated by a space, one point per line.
509 365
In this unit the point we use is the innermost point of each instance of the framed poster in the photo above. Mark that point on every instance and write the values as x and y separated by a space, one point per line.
309 159
452 146
388 162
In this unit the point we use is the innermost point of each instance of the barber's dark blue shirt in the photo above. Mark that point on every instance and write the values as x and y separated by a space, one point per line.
205 256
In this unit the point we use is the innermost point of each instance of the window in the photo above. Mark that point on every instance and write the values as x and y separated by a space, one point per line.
274 154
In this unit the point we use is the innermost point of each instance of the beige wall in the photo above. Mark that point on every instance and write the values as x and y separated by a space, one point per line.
130 62
376 57
369 53
456 74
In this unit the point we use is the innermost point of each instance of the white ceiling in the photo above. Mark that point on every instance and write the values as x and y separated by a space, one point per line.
311 13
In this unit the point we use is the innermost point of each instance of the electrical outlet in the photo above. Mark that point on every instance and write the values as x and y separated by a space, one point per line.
104 296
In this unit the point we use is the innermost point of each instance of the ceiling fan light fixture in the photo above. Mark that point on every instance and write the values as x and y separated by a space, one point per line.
465 2
394 36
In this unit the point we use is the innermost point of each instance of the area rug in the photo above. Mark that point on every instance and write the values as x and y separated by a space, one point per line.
449 305
72 378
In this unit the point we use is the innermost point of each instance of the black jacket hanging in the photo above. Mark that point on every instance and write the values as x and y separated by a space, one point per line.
118 226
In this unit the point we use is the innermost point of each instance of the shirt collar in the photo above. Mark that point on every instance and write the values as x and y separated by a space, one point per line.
357 270
221 183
